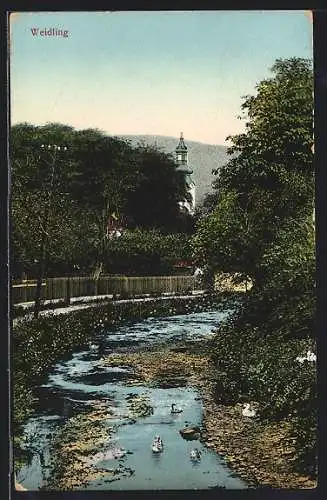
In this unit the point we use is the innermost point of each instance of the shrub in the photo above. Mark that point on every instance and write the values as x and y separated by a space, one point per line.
146 252
251 366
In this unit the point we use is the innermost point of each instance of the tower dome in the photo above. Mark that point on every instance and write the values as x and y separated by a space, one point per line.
181 152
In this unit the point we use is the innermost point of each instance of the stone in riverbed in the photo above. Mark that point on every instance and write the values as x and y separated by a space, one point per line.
190 433
210 445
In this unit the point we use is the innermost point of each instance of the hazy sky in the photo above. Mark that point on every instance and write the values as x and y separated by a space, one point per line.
148 72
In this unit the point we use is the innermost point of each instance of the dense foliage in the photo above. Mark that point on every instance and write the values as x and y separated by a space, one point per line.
67 196
141 252
268 183
259 223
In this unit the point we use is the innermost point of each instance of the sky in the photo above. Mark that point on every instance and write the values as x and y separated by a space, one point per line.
148 72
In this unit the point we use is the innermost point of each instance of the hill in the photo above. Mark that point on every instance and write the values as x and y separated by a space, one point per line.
203 158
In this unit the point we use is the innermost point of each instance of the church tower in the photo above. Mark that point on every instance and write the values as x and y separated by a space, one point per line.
183 166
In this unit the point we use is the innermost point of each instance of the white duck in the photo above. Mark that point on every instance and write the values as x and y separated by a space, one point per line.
174 409
157 445
248 411
195 454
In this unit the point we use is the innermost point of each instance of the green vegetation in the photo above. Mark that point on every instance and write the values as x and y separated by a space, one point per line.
259 223
63 199
147 252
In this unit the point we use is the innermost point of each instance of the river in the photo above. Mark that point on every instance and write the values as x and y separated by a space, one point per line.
83 383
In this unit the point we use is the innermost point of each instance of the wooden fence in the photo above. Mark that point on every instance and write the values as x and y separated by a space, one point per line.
25 292
65 288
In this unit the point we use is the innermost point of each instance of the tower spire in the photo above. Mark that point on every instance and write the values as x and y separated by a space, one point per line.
183 166
181 145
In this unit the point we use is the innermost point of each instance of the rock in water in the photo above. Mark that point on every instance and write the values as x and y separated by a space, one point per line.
190 433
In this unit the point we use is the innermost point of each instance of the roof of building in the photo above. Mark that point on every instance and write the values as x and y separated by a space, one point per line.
185 168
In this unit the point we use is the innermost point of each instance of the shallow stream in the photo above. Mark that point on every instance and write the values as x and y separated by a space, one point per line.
83 382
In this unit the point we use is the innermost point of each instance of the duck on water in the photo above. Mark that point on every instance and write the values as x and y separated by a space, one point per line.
157 445
195 455
174 409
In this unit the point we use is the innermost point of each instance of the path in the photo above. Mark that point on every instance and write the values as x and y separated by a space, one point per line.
87 302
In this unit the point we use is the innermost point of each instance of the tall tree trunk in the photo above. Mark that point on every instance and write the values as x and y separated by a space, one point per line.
209 279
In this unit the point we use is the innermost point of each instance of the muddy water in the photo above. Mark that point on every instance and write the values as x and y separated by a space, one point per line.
83 382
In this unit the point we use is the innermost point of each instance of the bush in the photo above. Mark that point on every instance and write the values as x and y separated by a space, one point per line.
253 366
141 252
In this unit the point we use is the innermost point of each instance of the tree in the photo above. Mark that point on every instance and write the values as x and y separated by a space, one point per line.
262 226
155 203
146 252
63 198
269 179
106 175
44 217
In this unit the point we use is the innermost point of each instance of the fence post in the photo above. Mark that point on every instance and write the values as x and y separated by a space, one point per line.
67 295
25 292
126 283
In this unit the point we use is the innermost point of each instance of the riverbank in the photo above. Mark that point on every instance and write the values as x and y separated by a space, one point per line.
66 453
38 344
262 454
24 311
